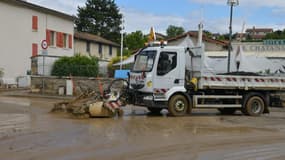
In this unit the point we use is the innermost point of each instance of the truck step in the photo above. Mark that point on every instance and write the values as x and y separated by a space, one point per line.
206 101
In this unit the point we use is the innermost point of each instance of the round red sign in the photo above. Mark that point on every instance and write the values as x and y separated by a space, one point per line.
44 44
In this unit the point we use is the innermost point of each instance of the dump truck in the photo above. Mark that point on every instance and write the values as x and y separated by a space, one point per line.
175 78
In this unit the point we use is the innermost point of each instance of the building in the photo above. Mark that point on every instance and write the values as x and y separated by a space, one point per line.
26 29
258 33
92 45
272 49
210 43
240 36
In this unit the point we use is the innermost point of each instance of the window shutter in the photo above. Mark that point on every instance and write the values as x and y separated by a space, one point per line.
48 36
70 41
35 23
59 39
34 49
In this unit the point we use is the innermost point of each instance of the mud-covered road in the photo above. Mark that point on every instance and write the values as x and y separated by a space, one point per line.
29 132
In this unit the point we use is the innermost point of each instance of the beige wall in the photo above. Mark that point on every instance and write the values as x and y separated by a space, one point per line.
255 49
80 47
213 47
17 37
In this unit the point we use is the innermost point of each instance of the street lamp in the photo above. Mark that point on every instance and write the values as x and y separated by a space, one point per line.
122 43
231 3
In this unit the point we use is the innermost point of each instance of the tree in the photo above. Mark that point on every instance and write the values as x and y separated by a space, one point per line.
76 66
276 35
100 17
173 31
135 40
208 33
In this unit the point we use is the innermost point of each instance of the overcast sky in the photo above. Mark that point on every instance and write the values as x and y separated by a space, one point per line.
142 14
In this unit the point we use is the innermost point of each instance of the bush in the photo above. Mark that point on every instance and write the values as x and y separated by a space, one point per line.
78 65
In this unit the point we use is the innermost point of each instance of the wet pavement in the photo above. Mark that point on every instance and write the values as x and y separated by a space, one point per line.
29 132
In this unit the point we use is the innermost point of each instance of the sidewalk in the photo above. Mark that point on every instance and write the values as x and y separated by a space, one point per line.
27 93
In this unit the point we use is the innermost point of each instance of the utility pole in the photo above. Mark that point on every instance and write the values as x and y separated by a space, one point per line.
231 3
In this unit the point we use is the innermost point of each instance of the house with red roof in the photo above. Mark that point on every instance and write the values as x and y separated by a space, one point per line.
258 33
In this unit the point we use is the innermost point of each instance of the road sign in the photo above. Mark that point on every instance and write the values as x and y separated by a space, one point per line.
44 44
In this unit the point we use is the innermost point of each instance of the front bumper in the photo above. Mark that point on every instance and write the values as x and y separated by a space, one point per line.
145 99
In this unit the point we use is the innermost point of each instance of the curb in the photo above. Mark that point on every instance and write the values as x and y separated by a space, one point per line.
32 95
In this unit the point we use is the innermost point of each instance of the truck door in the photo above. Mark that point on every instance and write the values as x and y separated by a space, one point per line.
167 72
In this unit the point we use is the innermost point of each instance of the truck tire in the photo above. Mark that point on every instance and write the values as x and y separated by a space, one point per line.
254 106
178 105
154 110
227 111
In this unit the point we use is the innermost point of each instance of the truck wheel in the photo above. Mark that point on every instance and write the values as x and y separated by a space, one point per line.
227 111
178 105
254 106
154 110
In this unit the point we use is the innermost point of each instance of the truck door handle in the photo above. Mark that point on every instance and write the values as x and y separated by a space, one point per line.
176 81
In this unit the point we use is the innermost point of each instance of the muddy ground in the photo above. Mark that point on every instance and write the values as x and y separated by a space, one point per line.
29 132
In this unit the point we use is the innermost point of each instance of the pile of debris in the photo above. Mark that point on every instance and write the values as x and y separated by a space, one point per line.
96 104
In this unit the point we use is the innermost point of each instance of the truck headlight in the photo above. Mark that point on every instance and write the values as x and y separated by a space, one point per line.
149 84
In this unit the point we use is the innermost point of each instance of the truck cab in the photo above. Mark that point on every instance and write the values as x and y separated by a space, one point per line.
158 73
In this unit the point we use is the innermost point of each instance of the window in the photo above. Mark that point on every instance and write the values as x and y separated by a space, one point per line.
100 49
50 37
65 40
166 63
88 47
144 61
35 23
110 50
70 41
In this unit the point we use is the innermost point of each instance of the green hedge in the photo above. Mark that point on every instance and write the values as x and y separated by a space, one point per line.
78 65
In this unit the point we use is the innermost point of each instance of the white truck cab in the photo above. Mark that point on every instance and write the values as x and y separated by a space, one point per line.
158 73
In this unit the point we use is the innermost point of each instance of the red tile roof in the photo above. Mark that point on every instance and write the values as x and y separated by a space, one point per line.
94 38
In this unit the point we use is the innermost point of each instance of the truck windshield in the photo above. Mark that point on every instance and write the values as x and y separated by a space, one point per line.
144 61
